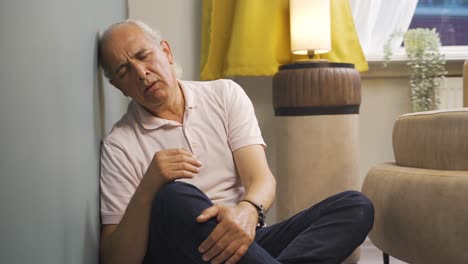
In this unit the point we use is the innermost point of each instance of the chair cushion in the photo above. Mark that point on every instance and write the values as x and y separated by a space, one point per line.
432 140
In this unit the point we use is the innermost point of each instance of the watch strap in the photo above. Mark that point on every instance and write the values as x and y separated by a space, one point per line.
260 211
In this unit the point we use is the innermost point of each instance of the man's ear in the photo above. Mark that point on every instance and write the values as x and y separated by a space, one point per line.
166 48
116 86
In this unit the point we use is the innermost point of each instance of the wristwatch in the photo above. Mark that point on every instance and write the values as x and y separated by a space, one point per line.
260 211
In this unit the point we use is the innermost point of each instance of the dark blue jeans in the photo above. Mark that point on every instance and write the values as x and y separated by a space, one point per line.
328 232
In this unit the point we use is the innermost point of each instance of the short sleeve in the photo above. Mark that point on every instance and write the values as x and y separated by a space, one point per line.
118 182
243 127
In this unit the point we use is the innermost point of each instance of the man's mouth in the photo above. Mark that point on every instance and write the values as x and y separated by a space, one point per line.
151 87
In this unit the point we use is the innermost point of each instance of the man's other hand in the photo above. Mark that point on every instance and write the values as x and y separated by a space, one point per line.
171 164
231 238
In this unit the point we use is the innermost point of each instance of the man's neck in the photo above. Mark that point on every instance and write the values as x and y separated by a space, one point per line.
174 108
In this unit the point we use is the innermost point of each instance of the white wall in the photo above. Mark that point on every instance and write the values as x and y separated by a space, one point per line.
179 21
383 100
51 126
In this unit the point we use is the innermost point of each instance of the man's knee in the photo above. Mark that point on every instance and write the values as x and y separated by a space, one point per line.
173 191
362 209
173 218
179 201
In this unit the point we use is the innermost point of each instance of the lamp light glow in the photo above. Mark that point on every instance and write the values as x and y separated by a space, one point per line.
310 26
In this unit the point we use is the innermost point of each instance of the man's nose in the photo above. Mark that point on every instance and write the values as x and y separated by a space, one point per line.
141 71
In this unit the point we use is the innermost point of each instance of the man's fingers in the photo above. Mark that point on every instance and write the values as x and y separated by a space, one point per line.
208 213
181 170
187 167
173 169
230 239
180 174
177 155
176 163
176 151
212 239
184 158
217 248
238 255
228 249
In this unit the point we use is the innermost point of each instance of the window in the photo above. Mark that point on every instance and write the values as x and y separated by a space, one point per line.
376 20
448 17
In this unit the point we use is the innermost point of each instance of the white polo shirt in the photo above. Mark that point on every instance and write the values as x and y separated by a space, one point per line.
219 118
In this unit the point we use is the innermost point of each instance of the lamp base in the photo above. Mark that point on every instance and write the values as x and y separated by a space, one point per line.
316 88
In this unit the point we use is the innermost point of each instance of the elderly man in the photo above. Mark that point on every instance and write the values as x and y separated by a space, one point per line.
184 177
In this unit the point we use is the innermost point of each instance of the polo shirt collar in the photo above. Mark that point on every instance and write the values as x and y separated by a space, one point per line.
188 95
150 121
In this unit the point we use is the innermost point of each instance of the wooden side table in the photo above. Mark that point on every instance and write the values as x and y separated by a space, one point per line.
317 124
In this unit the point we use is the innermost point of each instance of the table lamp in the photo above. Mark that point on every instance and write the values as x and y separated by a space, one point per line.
310 27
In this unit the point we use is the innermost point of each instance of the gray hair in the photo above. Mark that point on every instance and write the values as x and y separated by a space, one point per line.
153 34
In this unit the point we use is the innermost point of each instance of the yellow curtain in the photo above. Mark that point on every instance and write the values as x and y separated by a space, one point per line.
251 37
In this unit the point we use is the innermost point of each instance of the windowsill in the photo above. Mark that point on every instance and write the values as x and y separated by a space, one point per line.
396 68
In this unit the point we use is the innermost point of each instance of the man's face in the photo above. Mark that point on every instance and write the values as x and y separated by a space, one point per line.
138 66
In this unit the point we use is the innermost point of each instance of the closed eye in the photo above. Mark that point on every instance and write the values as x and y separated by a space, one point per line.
123 71
142 55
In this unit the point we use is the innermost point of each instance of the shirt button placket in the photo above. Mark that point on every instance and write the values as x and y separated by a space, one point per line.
193 145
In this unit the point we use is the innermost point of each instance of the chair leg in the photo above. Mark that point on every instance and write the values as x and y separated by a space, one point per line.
386 259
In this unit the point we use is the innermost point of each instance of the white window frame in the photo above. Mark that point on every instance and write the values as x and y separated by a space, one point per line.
452 53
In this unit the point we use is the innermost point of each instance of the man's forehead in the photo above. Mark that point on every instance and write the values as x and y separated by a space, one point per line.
127 34
126 39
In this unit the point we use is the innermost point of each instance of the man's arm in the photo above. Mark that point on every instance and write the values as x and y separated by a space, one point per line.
256 177
236 229
127 241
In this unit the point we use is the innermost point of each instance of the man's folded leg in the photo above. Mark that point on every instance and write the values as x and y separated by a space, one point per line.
175 234
326 233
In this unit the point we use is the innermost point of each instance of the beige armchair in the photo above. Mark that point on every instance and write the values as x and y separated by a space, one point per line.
421 200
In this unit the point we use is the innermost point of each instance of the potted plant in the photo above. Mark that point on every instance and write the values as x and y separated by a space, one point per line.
426 65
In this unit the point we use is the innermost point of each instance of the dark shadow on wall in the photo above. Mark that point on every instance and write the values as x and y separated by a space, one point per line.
92 219
99 102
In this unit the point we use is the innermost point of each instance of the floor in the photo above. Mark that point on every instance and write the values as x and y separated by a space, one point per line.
372 255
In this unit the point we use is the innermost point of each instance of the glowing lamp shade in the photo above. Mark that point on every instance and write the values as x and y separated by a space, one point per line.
310 26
